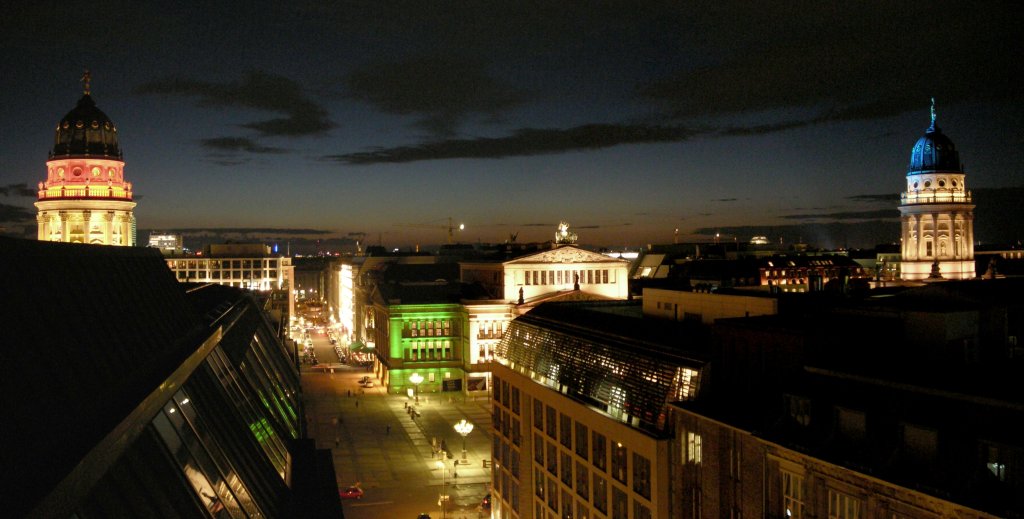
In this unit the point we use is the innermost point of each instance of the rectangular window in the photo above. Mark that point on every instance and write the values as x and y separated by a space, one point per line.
792 495
553 495
842 506
538 483
642 476
552 458
582 480
552 422
582 445
640 511
620 504
600 494
515 400
565 430
527 276
600 452
538 449
538 414
567 469
693 448
566 505
619 462
604 276
581 511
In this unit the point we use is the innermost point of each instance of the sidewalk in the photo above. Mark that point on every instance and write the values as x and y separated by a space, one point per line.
378 444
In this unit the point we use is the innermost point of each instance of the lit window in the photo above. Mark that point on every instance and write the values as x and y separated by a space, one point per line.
693 448
842 506
792 494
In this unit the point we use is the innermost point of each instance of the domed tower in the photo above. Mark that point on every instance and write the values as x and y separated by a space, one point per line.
936 212
85 198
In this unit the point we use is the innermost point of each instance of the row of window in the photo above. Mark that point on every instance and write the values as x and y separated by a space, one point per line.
223 264
561 500
427 328
429 350
566 277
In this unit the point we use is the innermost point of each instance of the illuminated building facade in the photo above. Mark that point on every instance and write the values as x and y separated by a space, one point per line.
936 212
85 197
169 244
580 400
547 273
249 266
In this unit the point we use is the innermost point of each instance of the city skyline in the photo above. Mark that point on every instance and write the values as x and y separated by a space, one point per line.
301 121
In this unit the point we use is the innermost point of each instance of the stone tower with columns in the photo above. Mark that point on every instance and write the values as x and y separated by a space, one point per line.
936 212
85 198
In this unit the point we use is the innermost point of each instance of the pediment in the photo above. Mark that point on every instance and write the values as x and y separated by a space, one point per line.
563 255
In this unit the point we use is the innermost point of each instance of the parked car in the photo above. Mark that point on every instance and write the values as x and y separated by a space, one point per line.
363 379
352 492
368 383
486 503
423 516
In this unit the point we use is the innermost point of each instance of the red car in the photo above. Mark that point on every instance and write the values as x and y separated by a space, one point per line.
350 493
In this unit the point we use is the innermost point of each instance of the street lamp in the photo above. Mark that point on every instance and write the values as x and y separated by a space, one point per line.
416 378
443 497
463 428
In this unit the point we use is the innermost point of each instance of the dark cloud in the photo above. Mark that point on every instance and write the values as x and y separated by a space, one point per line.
830 235
18 190
523 142
847 215
844 61
249 230
238 144
892 198
228 161
441 90
15 214
256 89
724 200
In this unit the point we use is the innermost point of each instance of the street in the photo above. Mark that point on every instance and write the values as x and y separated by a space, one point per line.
379 445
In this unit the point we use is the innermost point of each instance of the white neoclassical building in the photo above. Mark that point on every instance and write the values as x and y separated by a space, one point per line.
936 212
85 198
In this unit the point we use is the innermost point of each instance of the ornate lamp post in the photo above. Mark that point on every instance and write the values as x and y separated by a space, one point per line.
463 428
416 379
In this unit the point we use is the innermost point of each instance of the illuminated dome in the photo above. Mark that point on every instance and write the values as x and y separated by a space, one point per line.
86 132
933 152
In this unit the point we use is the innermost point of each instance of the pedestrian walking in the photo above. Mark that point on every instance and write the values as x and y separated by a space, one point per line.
357 402
337 441
389 429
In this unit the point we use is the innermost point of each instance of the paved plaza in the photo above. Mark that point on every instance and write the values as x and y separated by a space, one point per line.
379 445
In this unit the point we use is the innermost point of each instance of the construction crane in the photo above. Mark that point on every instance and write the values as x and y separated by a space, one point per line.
450 227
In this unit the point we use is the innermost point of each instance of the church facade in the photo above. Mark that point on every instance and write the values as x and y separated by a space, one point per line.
85 197
936 212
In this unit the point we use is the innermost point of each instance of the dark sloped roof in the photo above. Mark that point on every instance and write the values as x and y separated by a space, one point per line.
88 332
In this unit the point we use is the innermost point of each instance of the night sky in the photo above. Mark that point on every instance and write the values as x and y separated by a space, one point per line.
317 120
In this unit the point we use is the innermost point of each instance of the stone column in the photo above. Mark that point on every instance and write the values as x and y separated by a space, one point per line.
41 234
64 226
108 227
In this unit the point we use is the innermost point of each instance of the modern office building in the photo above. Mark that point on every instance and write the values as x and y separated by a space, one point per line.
85 197
581 400
900 406
127 394
936 212
170 244
251 266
